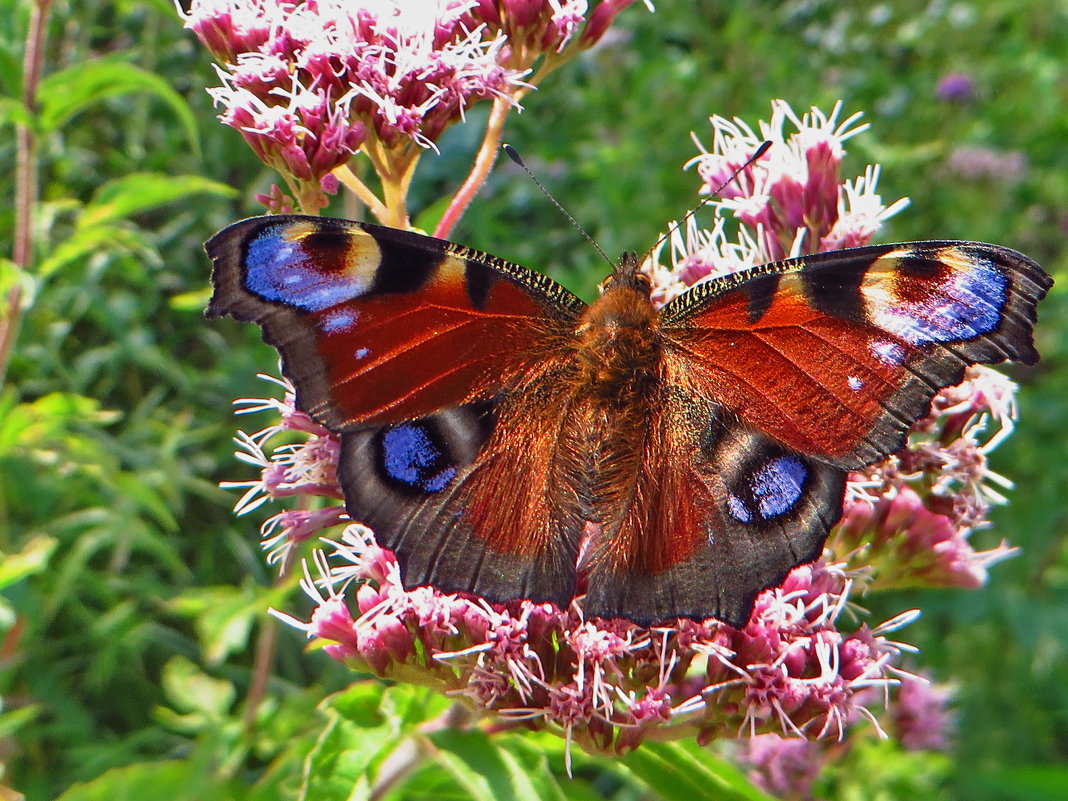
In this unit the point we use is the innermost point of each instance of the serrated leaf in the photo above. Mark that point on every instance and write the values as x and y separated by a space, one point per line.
480 767
68 92
683 771
357 738
410 704
138 192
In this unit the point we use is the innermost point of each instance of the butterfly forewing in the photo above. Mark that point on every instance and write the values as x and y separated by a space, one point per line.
440 367
837 354
378 325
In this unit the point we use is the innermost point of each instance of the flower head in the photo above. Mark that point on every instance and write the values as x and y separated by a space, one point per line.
911 516
607 684
308 84
921 718
781 766
956 87
792 200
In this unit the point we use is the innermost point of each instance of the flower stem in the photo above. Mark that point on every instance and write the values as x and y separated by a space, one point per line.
362 191
395 172
25 178
265 650
484 161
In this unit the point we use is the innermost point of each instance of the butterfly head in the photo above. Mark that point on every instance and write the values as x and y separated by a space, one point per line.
628 275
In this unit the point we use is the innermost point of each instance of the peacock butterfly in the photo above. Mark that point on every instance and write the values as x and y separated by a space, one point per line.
505 439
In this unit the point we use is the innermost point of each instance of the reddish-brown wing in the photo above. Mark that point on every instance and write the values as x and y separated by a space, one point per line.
377 325
835 355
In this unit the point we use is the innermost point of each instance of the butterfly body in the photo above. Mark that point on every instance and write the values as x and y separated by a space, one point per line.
503 438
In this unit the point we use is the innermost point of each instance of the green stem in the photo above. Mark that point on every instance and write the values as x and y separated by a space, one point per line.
362 191
263 661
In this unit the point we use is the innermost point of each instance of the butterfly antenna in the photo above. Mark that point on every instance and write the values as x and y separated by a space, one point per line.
760 151
513 154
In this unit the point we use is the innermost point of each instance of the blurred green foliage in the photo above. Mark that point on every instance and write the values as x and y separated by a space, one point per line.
132 605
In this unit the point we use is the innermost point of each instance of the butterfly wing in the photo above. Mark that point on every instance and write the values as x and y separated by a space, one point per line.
775 382
836 354
440 366
377 325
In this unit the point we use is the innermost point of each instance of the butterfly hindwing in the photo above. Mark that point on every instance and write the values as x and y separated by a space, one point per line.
474 499
377 325
713 512
837 354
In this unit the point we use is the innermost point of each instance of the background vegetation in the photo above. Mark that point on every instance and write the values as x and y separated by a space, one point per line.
132 606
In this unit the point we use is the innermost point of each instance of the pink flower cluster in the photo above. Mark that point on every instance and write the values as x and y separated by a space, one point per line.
910 517
606 685
792 200
308 84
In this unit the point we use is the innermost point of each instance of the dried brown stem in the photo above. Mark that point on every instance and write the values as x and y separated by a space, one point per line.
25 177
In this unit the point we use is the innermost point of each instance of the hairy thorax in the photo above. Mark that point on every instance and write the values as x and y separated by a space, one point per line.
617 348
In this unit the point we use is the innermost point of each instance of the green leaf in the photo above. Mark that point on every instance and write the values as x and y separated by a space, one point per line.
368 724
684 771
32 559
1019 783
193 301
357 736
192 690
481 767
12 275
15 719
65 93
173 781
224 616
49 417
138 192
83 243
13 111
